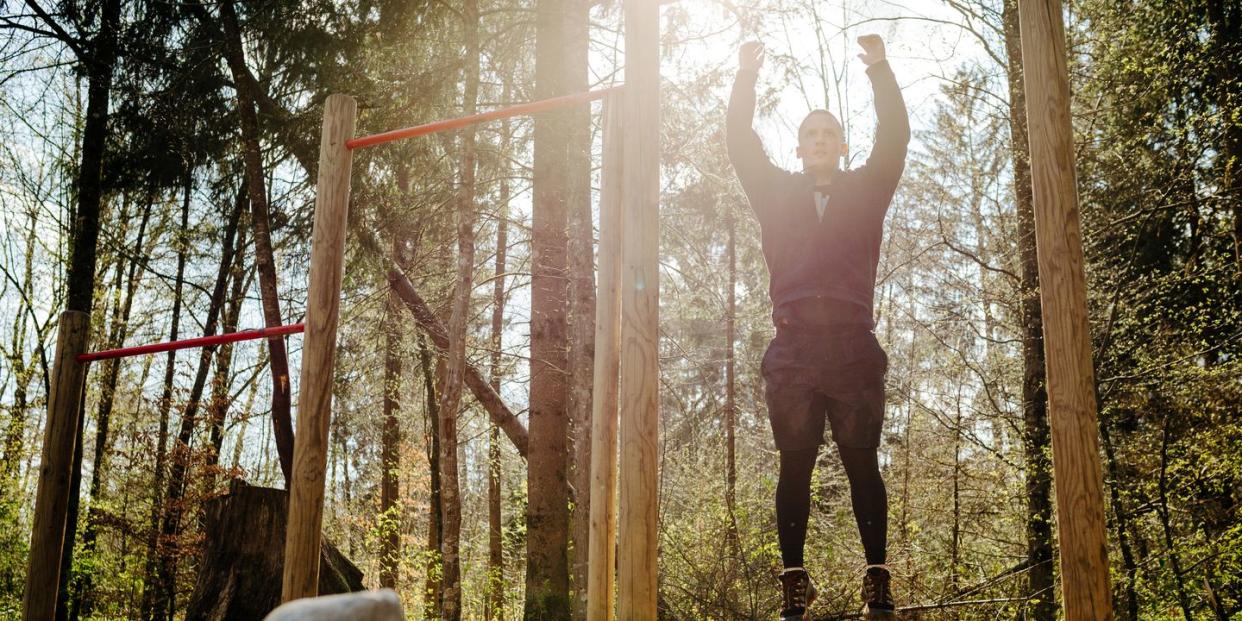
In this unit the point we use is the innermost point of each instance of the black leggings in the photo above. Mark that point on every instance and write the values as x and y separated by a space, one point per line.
793 502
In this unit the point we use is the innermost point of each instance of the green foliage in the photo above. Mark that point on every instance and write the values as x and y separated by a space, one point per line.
1162 215
14 547
1158 116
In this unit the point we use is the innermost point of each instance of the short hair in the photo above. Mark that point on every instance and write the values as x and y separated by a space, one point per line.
802 125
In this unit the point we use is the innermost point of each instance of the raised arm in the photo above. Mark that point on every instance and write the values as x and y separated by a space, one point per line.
892 133
746 153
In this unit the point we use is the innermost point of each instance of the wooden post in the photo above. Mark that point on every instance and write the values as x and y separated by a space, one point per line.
1067 338
323 298
55 470
640 313
601 572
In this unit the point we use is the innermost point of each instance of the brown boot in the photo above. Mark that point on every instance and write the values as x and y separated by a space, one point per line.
878 594
798 593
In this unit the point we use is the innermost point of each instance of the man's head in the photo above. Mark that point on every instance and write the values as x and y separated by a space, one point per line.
821 142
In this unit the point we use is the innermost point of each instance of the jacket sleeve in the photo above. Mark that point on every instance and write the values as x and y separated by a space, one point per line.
892 134
754 169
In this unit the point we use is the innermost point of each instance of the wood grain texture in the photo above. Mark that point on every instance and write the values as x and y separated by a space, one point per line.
640 314
601 574
59 439
1067 338
323 299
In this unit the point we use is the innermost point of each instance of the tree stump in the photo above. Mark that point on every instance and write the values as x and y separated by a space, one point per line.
239 575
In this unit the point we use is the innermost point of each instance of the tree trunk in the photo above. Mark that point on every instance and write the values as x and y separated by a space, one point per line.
450 404
74 506
730 400
83 601
246 413
955 553
99 63
547 517
282 425
1226 26
1162 510
390 445
431 590
493 598
218 406
1120 522
1036 437
85 232
154 553
170 524
581 263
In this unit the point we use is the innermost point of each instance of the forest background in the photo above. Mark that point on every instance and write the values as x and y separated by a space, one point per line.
180 140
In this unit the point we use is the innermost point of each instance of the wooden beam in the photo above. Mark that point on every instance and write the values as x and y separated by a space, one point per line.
1067 337
640 314
601 573
323 300
55 468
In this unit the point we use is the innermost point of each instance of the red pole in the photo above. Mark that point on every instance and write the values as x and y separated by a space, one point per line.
202 341
439 126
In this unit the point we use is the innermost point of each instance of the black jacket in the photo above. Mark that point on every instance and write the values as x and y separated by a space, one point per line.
836 257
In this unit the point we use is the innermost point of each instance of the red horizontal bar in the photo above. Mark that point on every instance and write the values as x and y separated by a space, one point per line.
202 341
439 126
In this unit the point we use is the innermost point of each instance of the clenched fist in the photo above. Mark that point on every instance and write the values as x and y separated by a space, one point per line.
750 56
873 49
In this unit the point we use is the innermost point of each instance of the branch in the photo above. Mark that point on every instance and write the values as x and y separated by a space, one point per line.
64 37
500 413
9 22
944 239
39 330
302 150
497 410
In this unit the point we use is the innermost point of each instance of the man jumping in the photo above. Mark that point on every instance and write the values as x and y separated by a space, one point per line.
821 232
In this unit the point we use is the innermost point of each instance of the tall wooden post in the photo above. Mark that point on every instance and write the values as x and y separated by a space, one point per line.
59 439
601 572
310 453
640 313
1067 337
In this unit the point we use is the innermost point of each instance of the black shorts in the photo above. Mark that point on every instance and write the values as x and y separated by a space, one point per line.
811 374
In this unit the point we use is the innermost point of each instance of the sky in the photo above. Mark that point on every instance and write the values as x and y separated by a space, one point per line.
920 46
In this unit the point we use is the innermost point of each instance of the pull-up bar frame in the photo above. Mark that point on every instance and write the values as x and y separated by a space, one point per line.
202 341
1072 404
323 305
503 113
306 488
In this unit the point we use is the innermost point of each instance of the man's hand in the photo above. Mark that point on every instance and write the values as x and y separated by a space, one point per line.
873 49
750 56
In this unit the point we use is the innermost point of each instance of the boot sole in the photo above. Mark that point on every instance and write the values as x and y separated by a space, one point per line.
805 616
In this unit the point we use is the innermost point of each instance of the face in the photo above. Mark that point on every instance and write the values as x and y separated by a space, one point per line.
821 144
